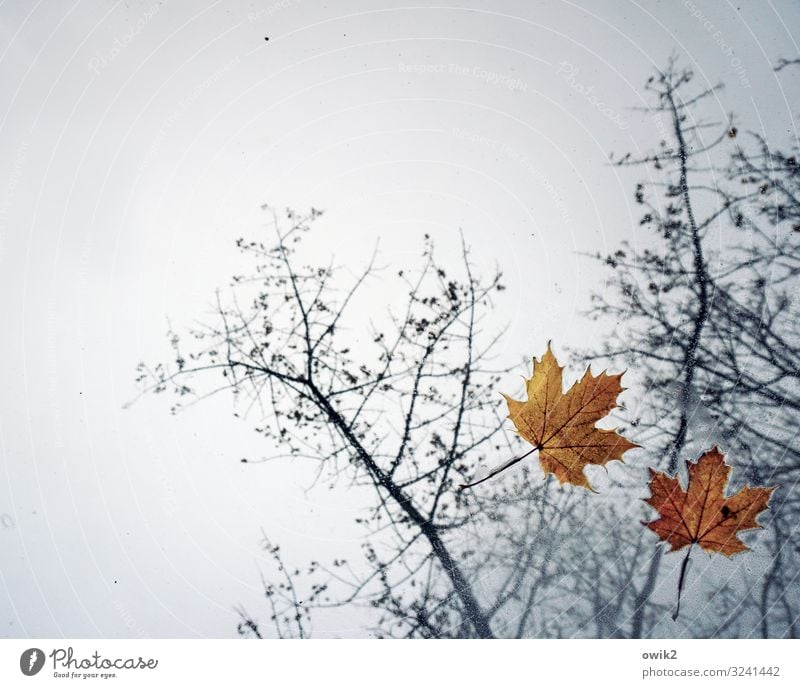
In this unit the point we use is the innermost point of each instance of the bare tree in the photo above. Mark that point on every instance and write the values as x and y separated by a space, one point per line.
410 415
709 322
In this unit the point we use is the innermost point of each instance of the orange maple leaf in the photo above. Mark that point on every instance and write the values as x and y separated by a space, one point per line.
562 425
702 514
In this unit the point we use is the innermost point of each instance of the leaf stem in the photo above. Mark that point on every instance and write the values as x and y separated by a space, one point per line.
498 469
682 581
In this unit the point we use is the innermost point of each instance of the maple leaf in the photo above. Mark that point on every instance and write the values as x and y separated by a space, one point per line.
702 514
561 426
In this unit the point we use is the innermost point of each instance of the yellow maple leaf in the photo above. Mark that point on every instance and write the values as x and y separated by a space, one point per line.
561 425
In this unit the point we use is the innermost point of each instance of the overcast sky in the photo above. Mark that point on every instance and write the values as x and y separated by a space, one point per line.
139 139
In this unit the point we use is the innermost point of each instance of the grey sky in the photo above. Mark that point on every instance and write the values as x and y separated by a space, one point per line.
138 140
